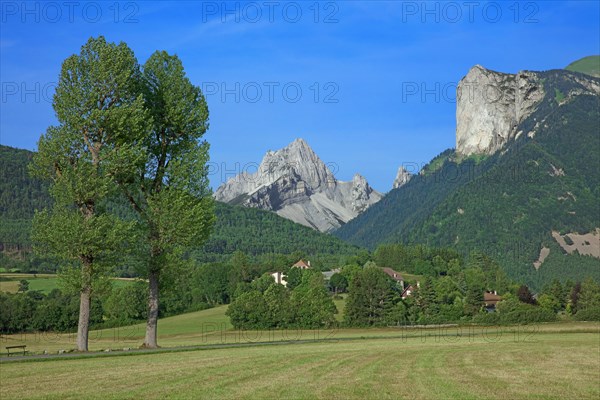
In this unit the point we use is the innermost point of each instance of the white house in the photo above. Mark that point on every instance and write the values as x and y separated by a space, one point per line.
279 278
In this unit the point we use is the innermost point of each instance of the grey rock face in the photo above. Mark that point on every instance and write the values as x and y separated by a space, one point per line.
402 178
296 184
361 194
491 105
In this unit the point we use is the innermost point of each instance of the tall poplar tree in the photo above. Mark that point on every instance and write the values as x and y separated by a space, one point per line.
170 191
102 120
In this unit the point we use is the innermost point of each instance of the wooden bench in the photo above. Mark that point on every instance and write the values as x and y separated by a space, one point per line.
22 347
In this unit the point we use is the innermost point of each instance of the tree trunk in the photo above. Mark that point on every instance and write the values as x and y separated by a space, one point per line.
84 319
151 326
85 296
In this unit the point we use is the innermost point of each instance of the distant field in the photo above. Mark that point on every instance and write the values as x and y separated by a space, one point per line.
341 306
2 270
412 277
42 282
551 364
45 284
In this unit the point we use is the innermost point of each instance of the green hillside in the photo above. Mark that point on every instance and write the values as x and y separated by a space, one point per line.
506 205
252 231
257 232
20 195
588 65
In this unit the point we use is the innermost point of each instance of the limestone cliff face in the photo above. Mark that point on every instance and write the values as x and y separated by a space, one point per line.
297 185
491 106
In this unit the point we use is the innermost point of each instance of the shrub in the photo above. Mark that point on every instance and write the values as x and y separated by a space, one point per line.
487 318
248 311
588 314
526 313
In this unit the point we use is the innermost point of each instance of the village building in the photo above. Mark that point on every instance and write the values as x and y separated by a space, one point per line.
490 299
280 276
395 275
407 292
302 264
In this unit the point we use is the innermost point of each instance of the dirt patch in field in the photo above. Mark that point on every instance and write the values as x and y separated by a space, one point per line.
587 244
544 252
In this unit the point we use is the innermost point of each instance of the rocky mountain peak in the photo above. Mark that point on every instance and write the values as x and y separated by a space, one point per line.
298 185
300 158
402 177
361 193
358 179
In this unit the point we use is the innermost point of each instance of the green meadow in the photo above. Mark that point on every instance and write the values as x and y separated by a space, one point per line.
588 65
546 365
546 361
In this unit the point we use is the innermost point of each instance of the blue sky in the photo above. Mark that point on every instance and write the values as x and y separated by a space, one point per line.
369 85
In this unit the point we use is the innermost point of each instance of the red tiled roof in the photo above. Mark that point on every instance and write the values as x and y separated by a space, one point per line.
301 264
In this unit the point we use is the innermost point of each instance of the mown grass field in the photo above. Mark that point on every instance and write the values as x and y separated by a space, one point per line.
554 363
547 361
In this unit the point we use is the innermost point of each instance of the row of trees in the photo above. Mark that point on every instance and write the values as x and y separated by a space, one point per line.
28 311
581 299
33 311
375 300
126 134
185 287
450 290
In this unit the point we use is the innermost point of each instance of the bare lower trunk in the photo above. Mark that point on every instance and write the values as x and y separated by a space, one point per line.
87 262
84 319
152 324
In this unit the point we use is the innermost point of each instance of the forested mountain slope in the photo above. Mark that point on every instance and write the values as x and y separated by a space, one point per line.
257 232
250 230
507 204
20 195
